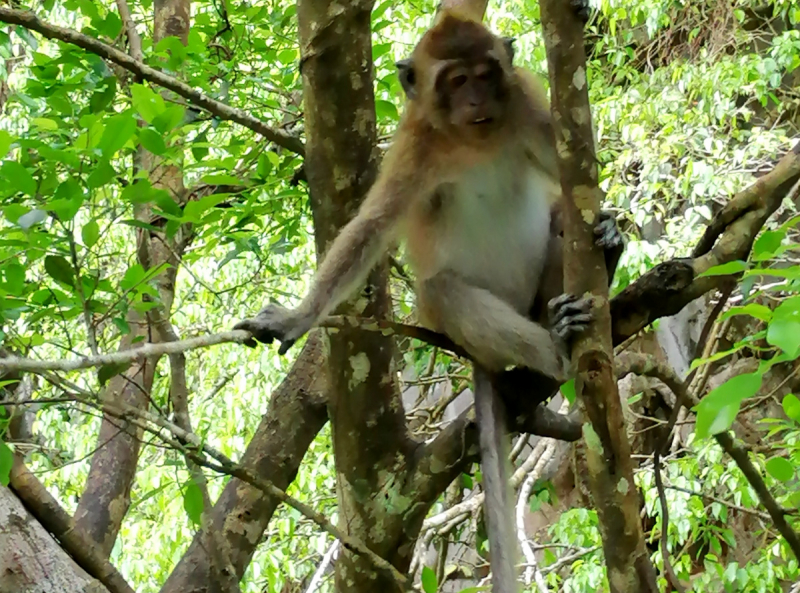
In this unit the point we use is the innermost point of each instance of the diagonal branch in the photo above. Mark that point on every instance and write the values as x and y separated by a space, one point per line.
30 21
640 364
86 552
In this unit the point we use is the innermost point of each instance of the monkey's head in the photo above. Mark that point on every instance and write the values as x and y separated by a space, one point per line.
460 77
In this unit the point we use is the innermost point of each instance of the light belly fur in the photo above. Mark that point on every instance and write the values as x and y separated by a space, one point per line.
494 229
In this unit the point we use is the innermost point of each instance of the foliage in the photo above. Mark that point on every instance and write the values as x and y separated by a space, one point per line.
685 115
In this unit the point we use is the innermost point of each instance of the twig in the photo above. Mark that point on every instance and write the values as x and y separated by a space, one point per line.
191 446
236 336
316 580
640 364
134 41
756 513
30 21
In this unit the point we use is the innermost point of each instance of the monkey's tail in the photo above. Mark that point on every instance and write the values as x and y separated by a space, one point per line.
496 471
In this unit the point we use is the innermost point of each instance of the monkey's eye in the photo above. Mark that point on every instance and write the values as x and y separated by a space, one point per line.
458 81
411 77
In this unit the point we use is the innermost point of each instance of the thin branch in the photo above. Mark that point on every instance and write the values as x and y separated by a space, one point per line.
134 41
219 551
30 21
192 447
151 349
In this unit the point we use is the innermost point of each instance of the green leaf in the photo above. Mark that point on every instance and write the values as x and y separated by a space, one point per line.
386 109
732 267
68 200
430 584
90 233
717 411
264 166
5 143
781 469
133 276
756 310
18 178
44 123
785 334
791 407
568 391
193 502
103 173
148 103
119 129
152 141
15 278
169 119
6 463
103 95
767 244
107 371
58 269
784 329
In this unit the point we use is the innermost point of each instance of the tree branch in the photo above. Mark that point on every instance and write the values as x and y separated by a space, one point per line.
30 21
641 364
55 519
670 286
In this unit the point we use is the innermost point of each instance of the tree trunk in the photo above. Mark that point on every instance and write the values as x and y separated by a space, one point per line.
370 441
608 452
31 561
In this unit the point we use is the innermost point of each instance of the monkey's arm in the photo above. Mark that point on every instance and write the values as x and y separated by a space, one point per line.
351 257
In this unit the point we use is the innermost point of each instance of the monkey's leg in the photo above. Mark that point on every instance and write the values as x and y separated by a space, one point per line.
496 471
494 334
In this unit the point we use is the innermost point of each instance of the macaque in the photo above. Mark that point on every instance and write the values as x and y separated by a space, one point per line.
470 182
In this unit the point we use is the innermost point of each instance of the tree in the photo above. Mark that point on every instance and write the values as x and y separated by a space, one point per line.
115 135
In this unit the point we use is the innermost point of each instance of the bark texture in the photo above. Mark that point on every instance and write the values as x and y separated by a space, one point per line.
607 448
31 561
295 415
372 449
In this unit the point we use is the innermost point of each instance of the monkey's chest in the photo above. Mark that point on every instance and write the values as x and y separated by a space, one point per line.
494 231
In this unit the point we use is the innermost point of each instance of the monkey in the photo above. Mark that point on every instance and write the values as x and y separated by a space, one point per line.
471 183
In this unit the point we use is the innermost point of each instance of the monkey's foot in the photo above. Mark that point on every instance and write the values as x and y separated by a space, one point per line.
569 316
274 322
582 9
607 231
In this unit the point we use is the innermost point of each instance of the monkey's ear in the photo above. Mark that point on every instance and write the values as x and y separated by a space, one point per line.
408 78
508 43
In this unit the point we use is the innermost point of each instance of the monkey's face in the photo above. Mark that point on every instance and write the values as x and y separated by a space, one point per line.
459 77
471 98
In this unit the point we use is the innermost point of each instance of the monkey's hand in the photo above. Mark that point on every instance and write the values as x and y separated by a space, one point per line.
582 8
276 322
609 237
569 316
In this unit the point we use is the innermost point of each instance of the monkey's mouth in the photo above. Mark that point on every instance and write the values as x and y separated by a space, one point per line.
482 121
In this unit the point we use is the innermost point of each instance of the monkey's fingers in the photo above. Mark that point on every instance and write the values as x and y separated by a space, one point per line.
568 306
608 234
259 333
285 345
582 9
